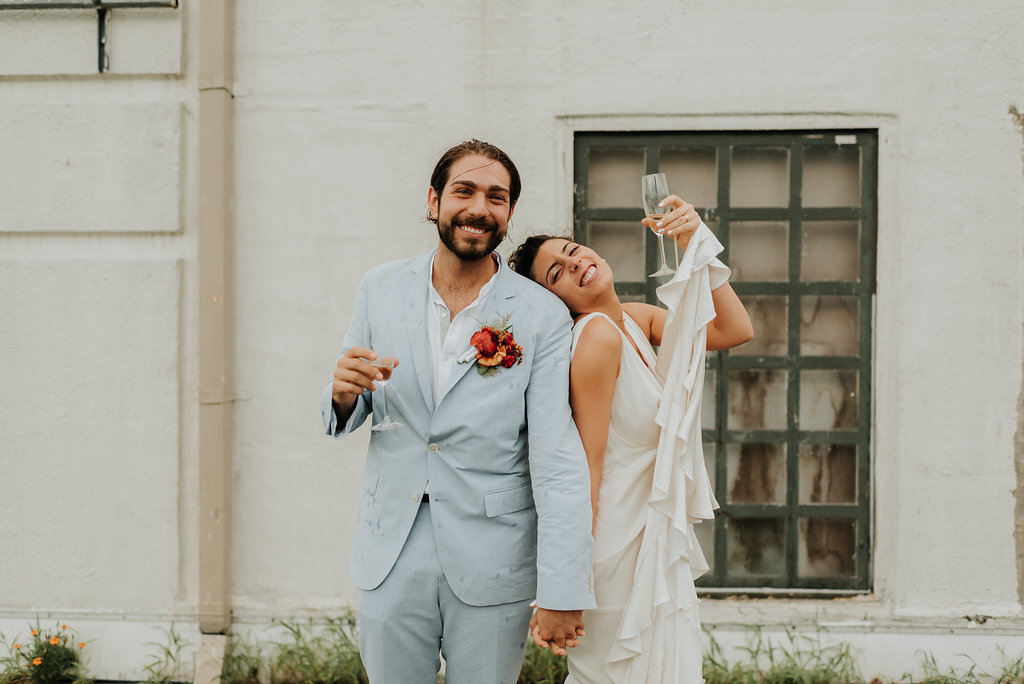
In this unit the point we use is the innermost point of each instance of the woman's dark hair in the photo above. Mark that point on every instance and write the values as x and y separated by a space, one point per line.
522 257
439 178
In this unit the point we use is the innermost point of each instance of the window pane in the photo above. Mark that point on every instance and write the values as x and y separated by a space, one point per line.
828 325
692 174
759 250
756 547
770 319
828 474
828 399
759 177
757 473
705 530
831 250
613 177
757 400
831 176
707 401
621 244
827 547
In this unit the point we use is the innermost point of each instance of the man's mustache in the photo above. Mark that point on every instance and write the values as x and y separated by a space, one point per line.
480 222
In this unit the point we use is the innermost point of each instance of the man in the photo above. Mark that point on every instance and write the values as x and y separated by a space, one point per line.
460 525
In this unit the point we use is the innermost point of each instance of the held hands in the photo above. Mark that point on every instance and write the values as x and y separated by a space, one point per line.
679 224
353 376
557 629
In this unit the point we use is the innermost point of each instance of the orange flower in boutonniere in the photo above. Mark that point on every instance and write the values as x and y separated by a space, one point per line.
496 348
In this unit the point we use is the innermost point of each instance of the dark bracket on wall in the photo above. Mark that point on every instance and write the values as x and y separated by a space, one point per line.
102 8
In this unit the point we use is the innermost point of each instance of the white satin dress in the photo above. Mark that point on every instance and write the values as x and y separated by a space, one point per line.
654 487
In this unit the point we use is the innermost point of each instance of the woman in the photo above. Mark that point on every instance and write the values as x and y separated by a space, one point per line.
647 488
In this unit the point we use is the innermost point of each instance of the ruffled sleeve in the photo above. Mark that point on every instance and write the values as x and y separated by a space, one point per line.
682 489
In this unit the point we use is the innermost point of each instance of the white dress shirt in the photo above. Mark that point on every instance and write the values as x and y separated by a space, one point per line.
449 337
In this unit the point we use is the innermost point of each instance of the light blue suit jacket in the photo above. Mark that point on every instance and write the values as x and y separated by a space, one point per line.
509 482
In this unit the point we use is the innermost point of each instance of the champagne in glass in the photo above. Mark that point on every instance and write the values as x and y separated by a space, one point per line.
654 188
385 366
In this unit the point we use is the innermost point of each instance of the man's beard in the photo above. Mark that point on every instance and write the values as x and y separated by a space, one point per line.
470 252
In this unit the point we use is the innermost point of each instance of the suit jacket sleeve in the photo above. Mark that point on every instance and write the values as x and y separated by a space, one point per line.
561 478
358 335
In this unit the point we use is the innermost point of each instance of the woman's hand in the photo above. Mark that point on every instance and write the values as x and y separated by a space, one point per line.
571 622
679 224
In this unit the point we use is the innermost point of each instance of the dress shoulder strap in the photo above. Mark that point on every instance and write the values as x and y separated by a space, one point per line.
577 328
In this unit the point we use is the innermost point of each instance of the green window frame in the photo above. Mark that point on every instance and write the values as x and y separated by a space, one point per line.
791 520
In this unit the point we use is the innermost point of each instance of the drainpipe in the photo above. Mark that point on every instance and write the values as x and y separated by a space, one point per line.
216 47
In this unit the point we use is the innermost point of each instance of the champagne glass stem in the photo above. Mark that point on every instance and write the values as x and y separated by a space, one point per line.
384 398
386 366
661 249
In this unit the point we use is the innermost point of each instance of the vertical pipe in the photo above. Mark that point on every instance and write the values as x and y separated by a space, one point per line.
101 38
215 312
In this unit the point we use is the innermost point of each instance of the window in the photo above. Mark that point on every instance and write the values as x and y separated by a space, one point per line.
786 417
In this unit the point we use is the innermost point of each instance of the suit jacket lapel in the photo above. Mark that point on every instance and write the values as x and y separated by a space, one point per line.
496 307
416 327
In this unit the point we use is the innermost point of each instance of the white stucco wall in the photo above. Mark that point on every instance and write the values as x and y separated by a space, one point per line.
98 331
341 110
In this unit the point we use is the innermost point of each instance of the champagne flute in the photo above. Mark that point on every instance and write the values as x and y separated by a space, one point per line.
654 187
385 366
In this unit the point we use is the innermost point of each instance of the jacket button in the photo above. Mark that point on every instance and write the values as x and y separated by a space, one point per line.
413 498
432 448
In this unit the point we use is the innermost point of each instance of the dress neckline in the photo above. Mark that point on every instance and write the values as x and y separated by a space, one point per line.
635 343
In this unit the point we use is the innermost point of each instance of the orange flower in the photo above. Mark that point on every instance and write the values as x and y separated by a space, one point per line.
34 632
63 626
54 641
493 360
17 645
81 644
37 661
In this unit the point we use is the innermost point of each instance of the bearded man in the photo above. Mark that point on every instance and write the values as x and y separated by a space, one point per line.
478 502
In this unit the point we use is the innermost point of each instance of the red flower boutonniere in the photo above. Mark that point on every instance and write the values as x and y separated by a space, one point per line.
495 347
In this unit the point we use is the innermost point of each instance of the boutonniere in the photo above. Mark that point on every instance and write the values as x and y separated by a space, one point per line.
495 348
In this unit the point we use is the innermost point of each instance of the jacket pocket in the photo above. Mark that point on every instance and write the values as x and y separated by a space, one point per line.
508 500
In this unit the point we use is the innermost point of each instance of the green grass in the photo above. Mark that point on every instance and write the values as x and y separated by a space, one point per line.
165 666
802 659
327 652
324 653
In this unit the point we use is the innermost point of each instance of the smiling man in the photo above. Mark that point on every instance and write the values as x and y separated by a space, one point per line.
479 501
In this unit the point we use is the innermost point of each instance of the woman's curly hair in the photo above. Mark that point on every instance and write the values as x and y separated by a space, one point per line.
522 257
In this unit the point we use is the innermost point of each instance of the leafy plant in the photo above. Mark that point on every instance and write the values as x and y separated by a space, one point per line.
166 664
802 659
1013 669
541 666
51 657
325 653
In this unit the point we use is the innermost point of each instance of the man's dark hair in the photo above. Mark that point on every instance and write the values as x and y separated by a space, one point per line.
439 178
522 257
